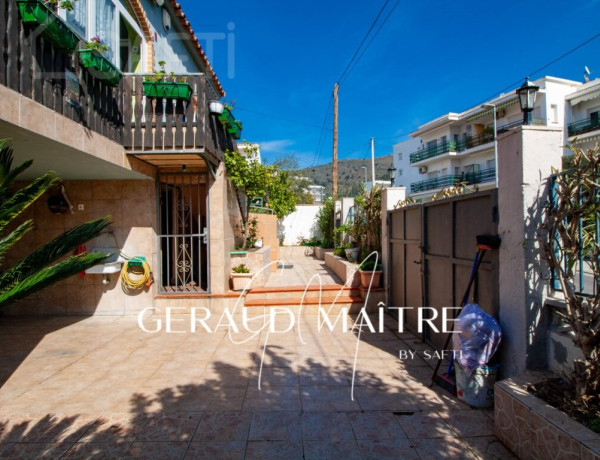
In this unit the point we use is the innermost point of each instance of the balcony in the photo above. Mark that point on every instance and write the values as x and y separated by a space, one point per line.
474 177
451 146
42 71
584 126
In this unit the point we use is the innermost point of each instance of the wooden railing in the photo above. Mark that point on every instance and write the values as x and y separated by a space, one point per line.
36 69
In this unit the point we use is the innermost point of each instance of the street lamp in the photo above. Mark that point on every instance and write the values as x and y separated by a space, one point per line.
493 107
527 93
365 168
392 174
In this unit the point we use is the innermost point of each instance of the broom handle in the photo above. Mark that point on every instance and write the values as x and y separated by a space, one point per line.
479 256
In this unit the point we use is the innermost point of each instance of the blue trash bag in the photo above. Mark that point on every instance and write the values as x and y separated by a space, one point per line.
478 339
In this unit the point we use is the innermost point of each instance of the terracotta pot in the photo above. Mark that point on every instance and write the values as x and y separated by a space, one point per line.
365 279
239 281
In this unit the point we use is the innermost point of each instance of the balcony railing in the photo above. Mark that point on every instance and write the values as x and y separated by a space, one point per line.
464 144
583 126
37 69
473 177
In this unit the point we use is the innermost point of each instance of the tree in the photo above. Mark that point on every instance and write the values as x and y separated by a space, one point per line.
570 232
256 180
42 267
367 221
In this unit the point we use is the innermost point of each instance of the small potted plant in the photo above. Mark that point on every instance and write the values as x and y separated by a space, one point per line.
233 126
93 59
41 13
240 278
163 85
370 273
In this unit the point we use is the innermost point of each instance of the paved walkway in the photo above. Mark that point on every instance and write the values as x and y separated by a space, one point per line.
299 268
100 387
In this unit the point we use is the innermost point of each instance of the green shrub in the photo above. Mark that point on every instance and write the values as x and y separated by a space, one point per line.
241 268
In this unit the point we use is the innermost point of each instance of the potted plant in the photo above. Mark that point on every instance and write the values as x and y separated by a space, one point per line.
240 278
351 250
370 273
233 126
37 13
93 59
162 85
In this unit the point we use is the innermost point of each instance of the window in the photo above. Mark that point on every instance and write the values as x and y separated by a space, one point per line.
399 156
595 121
113 22
554 113
400 172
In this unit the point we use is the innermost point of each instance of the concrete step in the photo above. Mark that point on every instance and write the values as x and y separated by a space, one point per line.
293 292
297 301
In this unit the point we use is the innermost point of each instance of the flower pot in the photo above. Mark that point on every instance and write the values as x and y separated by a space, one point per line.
233 126
365 279
352 254
216 107
239 281
50 25
168 89
99 66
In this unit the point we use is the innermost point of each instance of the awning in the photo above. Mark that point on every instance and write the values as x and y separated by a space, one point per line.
487 112
192 159
585 97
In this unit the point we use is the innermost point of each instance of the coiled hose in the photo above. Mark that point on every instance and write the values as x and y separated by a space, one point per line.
135 274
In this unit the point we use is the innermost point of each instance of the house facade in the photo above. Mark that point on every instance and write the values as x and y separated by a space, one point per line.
152 160
583 109
459 147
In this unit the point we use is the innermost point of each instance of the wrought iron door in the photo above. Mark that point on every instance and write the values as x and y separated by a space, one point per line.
183 233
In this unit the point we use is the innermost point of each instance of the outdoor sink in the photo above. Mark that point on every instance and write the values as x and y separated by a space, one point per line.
111 265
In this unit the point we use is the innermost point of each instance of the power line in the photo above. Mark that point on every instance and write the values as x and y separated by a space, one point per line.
374 36
323 128
554 61
343 75
280 118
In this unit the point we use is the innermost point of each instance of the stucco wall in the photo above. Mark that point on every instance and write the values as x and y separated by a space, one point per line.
169 46
267 231
131 203
301 224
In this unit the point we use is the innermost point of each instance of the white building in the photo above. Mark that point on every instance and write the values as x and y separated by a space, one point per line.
317 192
250 150
405 174
583 122
459 147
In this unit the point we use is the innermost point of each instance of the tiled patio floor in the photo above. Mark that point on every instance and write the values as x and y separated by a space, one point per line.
301 266
100 387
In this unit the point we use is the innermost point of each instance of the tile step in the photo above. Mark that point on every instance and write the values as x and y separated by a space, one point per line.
324 301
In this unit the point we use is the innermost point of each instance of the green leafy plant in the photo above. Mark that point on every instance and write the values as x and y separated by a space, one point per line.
96 44
570 231
241 268
64 4
325 223
370 266
163 75
367 221
49 263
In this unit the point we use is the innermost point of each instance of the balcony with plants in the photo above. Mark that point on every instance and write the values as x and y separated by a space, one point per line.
468 178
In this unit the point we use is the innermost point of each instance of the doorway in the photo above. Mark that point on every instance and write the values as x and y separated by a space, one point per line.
183 233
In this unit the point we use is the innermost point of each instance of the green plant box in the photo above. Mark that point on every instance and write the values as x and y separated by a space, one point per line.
233 126
99 66
52 27
168 89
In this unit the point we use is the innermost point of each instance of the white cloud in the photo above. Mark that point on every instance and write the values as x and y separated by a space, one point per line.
276 146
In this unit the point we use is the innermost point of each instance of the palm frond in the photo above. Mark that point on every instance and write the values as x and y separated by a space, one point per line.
50 275
8 241
16 204
7 174
49 252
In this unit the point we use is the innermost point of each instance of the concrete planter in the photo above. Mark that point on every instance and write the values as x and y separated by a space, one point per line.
532 429
320 252
239 281
346 271
365 279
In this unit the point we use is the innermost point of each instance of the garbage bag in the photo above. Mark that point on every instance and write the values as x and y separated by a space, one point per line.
478 339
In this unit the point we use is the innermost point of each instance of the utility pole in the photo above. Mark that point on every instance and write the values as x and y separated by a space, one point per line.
373 161
335 140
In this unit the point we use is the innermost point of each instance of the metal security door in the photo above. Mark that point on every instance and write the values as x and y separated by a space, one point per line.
182 233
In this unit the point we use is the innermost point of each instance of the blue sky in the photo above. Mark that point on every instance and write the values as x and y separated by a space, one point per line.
430 58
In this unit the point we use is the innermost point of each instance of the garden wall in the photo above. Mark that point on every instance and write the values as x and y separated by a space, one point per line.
301 224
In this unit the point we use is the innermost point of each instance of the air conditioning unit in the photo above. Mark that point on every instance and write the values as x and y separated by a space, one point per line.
422 169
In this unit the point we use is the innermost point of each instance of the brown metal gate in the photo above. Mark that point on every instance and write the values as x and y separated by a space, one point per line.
431 250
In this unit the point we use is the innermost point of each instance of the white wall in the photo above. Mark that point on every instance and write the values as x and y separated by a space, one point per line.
300 224
410 174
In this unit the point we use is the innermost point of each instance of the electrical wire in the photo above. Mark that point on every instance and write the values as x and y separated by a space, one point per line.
323 128
343 75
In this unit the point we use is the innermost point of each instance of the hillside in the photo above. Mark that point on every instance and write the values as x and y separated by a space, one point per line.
351 175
